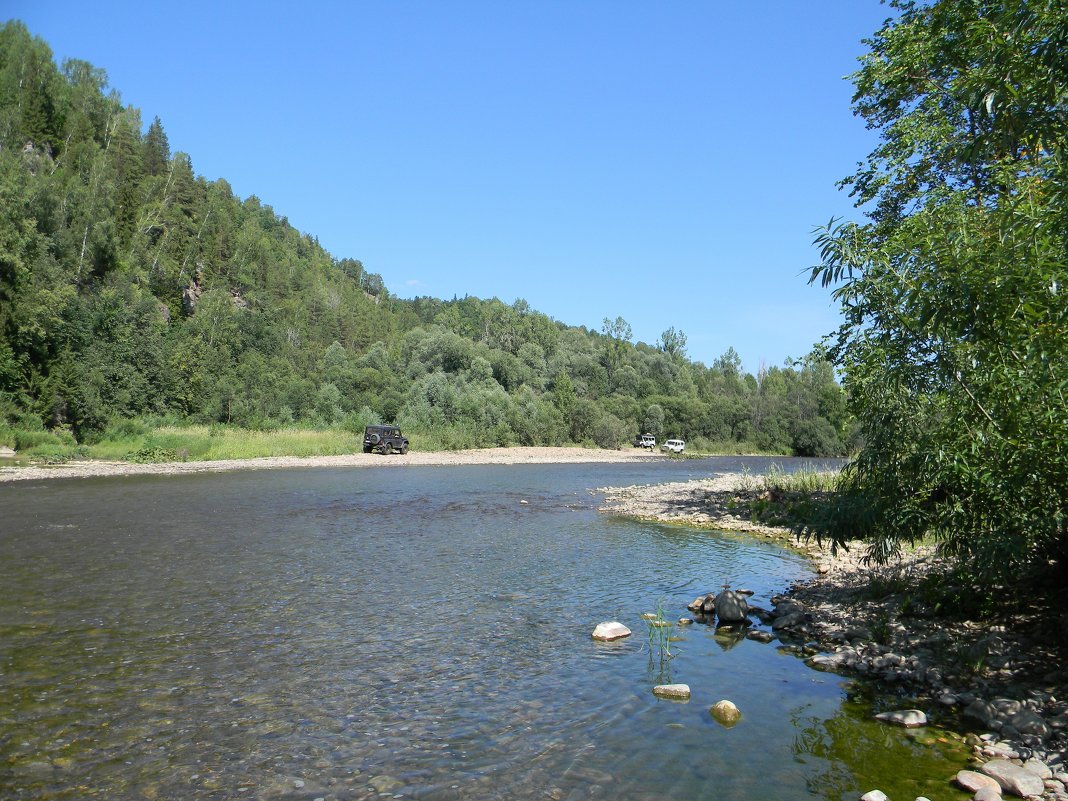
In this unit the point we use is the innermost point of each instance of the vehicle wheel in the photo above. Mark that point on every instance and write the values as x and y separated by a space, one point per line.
375 439
387 449
367 449
403 450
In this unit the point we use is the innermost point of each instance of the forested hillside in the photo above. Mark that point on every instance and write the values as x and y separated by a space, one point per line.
133 289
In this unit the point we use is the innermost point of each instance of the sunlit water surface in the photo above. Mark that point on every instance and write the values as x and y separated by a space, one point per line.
405 632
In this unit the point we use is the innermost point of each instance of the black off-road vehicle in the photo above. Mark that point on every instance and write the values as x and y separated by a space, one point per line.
384 439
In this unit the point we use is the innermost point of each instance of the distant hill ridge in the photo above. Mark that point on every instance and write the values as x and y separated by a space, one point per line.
131 288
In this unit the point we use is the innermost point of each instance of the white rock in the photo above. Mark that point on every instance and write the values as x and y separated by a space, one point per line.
909 718
874 795
674 691
1039 768
610 630
988 793
1013 778
972 781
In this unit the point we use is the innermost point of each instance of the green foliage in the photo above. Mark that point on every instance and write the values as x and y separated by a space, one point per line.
955 342
153 454
659 630
132 289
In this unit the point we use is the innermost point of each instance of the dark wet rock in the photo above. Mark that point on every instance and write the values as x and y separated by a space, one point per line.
1013 778
686 621
788 621
763 615
1007 707
783 608
981 710
1027 722
731 607
708 606
760 636
857 633
909 718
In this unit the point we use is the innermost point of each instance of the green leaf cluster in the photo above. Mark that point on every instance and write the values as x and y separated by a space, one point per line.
954 349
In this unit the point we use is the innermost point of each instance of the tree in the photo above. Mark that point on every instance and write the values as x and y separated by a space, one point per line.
157 149
617 335
673 343
954 348
653 422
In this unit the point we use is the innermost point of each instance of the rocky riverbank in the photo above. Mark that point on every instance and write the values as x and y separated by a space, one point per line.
999 683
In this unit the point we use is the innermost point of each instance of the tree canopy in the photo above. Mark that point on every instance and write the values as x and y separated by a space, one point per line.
954 349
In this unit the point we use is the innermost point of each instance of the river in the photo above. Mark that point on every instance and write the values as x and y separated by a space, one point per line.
411 632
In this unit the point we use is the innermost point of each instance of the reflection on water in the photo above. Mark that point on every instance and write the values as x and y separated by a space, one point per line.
411 632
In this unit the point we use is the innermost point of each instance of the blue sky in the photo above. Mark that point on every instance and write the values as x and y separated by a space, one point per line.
663 162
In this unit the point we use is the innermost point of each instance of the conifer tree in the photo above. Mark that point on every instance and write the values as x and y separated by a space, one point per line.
157 149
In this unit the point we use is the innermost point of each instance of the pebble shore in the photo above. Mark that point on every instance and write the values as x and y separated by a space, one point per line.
1000 686
482 456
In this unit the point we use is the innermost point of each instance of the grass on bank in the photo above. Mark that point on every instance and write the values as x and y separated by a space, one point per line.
137 441
788 499
151 440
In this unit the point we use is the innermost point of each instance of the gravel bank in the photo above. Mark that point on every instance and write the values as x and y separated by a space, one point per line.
90 469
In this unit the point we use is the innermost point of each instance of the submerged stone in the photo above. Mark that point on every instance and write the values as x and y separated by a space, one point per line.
676 692
725 713
909 718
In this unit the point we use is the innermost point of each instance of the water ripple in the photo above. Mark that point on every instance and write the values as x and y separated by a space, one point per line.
422 634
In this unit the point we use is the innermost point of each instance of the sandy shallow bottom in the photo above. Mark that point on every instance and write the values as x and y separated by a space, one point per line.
89 469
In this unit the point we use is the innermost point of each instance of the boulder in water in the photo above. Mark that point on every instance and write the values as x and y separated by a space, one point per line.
731 607
610 630
725 713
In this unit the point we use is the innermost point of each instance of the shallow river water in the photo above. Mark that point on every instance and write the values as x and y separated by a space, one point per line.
413 633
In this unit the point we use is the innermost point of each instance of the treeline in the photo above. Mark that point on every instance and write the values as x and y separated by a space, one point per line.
132 288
